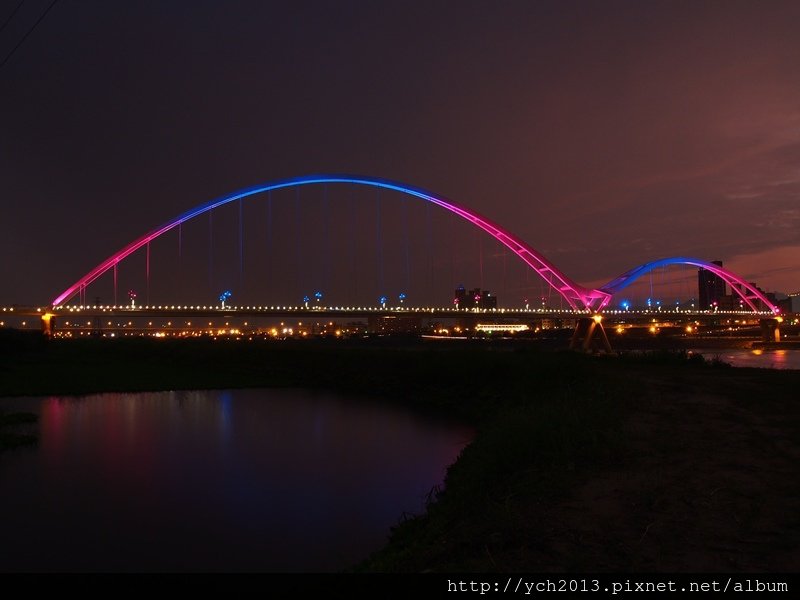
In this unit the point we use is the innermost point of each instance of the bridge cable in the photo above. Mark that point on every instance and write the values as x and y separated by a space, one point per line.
379 241
429 231
210 252
451 236
241 246
353 295
505 271
480 257
147 262
30 31
181 278
268 262
405 201
326 261
297 248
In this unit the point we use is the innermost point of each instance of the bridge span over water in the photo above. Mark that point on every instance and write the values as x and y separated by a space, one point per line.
584 305
576 296
176 321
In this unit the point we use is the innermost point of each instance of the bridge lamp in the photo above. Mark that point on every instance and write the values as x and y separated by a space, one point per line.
306 300
132 297
318 296
224 296
382 301
401 297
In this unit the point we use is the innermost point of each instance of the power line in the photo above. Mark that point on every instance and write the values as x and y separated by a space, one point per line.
11 16
30 31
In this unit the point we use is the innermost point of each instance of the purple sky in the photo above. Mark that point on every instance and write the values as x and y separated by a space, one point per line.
606 134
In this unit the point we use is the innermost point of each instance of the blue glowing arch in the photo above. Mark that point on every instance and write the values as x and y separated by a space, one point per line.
749 294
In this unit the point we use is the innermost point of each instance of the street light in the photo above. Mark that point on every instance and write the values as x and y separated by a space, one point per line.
132 296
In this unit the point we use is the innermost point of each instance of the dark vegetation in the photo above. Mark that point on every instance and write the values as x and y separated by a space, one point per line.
655 461
10 426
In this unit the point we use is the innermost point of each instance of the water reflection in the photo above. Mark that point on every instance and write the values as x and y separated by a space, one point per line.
241 480
758 357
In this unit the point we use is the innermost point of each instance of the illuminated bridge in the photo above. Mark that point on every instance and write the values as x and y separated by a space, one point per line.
135 263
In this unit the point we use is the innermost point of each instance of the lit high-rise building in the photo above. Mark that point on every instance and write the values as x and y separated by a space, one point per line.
711 287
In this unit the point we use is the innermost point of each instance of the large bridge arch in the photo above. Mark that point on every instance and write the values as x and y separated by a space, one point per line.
578 297
745 290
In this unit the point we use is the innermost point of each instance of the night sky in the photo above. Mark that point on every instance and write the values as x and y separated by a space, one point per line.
605 134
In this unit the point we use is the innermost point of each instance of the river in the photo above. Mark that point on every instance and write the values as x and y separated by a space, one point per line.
758 358
240 480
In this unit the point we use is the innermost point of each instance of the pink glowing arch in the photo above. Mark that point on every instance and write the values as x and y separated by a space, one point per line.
578 297
745 290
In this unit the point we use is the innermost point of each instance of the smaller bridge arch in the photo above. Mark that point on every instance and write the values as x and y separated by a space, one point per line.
749 294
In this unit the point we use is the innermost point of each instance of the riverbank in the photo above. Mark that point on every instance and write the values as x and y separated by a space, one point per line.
654 462
694 468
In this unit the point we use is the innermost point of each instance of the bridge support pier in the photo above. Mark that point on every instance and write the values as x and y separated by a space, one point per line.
48 324
770 329
589 329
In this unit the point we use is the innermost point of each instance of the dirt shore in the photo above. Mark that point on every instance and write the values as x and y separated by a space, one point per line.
701 476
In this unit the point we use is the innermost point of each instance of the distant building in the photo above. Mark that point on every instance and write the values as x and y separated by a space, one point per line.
711 287
394 324
476 298
769 296
790 304
734 301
